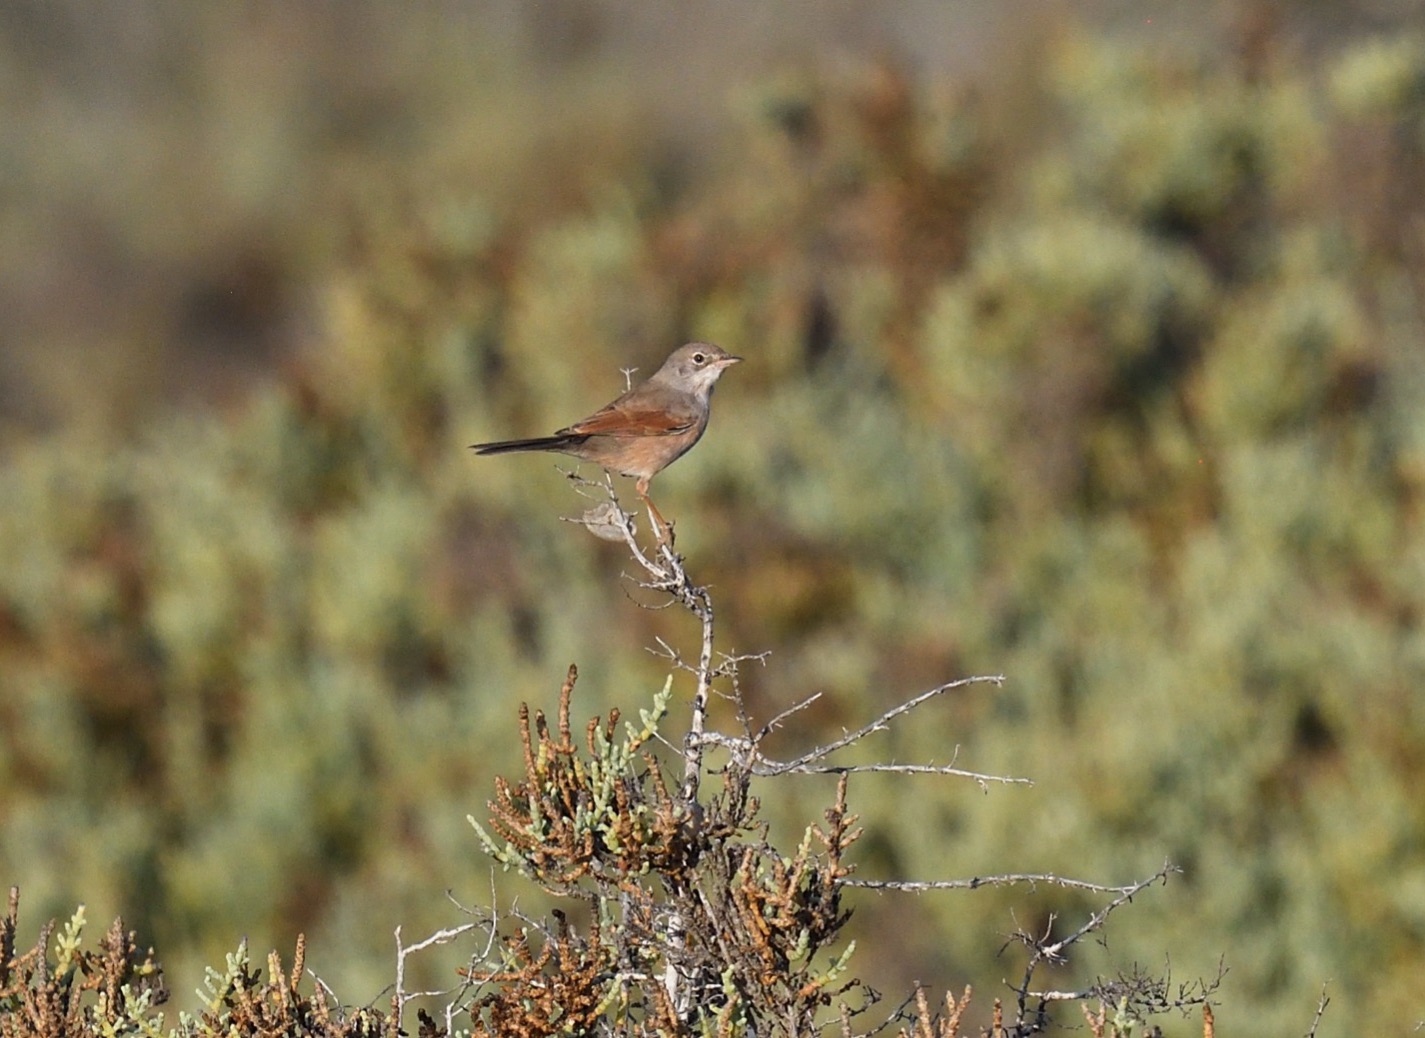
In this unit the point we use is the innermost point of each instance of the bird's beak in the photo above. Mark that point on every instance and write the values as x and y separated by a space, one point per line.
728 361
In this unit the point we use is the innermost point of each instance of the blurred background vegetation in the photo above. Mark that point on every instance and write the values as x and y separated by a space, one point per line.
1085 347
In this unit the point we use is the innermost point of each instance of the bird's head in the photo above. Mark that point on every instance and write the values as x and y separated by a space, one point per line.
695 367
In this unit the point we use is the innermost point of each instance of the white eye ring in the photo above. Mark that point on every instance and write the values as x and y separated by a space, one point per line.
700 358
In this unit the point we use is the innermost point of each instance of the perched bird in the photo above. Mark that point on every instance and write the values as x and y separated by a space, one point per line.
648 428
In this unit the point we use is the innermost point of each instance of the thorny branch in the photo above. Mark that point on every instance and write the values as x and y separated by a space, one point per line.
1032 879
1321 1004
455 1004
1042 950
666 574
880 724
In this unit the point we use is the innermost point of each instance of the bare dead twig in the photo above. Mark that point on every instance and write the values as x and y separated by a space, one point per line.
881 723
454 996
746 751
1321 1004
1033 879
1041 951
1126 894
780 719
667 574
404 951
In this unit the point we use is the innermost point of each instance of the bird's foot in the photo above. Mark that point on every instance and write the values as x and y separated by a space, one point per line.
662 529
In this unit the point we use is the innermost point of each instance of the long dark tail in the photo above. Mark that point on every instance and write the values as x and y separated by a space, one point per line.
539 443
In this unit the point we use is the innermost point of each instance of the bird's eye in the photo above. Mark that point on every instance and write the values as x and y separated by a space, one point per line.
700 359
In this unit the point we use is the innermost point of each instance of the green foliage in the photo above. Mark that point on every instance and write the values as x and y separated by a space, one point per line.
1130 411
697 923
68 989
1177 144
1382 76
239 1001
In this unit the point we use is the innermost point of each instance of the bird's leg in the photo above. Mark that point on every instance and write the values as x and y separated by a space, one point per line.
663 530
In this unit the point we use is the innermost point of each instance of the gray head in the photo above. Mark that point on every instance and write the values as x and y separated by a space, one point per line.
694 368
